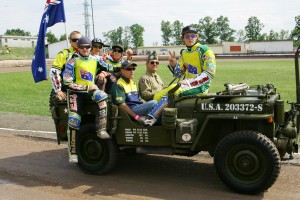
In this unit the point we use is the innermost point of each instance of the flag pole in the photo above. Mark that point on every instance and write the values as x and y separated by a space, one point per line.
93 18
66 35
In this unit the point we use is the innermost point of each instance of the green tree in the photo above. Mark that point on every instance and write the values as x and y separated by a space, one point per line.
17 32
119 33
137 35
166 28
114 36
296 31
283 34
253 29
176 34
263 37
208 30
273 35
63 37
51 37
223 30
126 38
240 35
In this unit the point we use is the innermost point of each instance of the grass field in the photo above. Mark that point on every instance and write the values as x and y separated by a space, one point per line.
17 53
20 94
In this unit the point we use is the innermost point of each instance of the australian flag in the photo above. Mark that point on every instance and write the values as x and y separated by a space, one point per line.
54 12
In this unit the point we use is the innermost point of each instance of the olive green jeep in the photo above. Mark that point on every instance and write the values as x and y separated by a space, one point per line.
245 128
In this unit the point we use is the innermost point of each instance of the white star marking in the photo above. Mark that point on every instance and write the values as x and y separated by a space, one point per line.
46 20
40 69
66 110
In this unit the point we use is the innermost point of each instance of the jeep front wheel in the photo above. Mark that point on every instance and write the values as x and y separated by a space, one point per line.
247 161
95 155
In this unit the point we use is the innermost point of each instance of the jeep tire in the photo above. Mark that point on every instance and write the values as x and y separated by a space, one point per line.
95 155
247 161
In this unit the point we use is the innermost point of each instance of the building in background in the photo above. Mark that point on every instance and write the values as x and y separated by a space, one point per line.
18 41
275 46
225 48
54 48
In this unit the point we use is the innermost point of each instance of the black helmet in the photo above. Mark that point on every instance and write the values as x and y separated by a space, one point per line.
118 46
97 40
188 29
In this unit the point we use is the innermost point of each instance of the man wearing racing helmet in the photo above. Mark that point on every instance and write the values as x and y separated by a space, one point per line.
79 78
115 59
97 46
198 62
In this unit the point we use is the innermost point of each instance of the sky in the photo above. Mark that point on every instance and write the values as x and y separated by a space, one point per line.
109 15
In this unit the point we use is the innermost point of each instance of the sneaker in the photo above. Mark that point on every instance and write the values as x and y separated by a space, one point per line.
142 119
73 158
150 122
103 135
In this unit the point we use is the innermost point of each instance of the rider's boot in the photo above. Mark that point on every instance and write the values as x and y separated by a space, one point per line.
101 120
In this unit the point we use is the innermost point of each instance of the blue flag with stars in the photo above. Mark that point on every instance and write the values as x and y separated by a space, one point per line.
53 13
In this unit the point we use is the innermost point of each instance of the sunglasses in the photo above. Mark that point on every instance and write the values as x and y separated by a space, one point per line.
117 50
154 62
129 69
74 39
97 46
84 47
190 36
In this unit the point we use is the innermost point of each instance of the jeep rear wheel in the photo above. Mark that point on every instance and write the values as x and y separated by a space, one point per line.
247 161
95 155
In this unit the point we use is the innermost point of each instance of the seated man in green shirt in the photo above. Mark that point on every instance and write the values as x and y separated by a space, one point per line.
125 95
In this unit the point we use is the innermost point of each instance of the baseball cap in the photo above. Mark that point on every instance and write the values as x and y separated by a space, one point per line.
127 64
152 56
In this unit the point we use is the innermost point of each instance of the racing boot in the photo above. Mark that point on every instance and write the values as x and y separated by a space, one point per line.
156 111
101 120
73 158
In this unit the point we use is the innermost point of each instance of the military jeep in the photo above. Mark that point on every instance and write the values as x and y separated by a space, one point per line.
245 128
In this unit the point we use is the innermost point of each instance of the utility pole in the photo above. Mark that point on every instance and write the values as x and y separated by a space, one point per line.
86 19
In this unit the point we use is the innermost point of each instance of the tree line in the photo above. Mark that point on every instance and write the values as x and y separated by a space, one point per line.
212 31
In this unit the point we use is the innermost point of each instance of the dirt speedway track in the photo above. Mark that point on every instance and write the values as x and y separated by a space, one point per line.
34 168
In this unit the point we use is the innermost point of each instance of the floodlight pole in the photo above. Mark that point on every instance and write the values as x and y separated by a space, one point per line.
93 18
